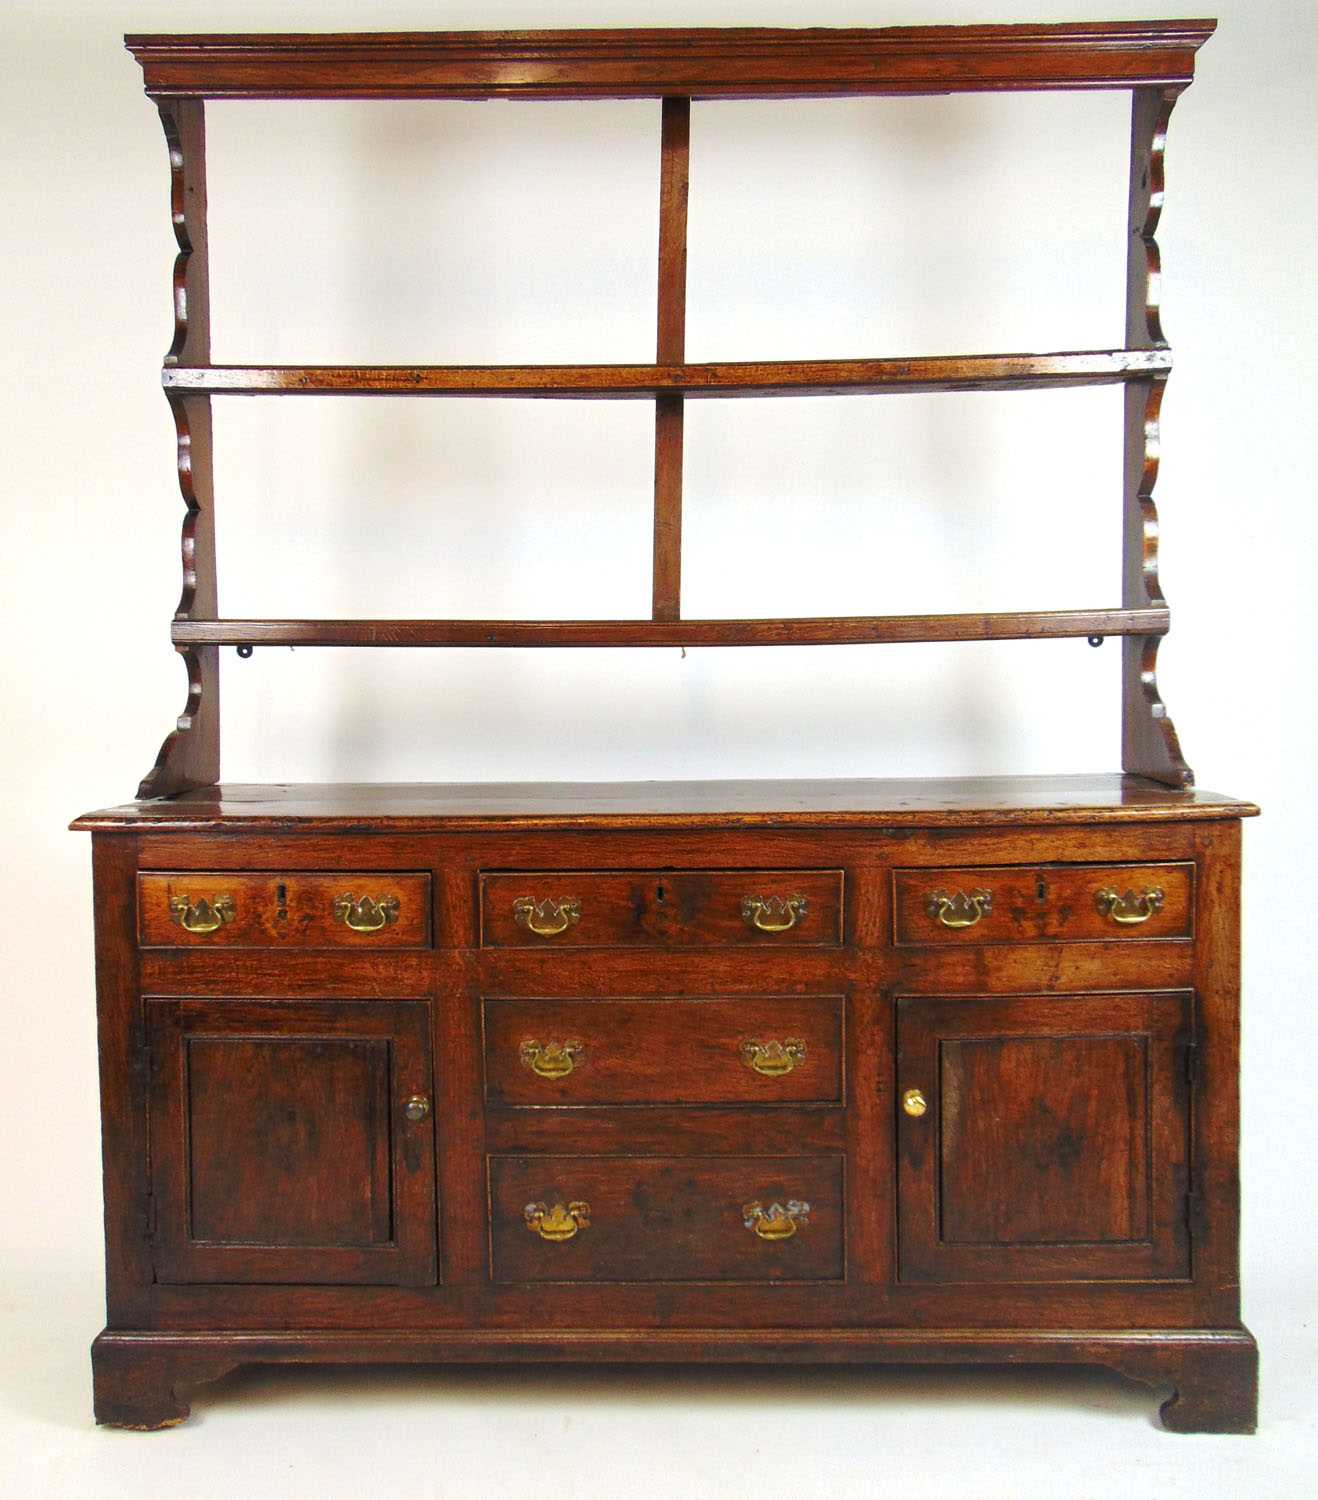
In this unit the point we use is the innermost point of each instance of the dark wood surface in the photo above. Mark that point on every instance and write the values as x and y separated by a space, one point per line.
669 376
190 755
665 908
1036 903
1059 1073
281 910
457 1139
1149 743
279 1147
660 1051
947 801
833 630
669 1219
750 62
1055 1143
670 350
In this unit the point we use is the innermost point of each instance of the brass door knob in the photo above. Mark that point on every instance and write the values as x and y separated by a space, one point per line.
417 1108
914 1103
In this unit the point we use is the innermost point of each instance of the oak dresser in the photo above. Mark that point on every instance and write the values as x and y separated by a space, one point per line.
753 1071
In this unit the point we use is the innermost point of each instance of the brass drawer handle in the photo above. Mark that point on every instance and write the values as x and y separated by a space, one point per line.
560 1222
961 910
1132 908
773 913
546 918
777 1222
202 916
914 1103
417 1108
365 915
773 1059
550 1059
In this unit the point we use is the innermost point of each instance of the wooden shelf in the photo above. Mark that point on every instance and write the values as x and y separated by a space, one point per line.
827 377
831 631
702 63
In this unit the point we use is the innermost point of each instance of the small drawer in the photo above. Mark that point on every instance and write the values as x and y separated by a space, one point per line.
661 908
665 1218
1043 903
774 1050
260 909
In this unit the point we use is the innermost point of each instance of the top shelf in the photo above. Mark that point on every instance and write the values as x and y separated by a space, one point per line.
700 63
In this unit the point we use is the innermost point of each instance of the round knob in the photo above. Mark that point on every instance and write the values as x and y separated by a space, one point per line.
914 1103
417 1108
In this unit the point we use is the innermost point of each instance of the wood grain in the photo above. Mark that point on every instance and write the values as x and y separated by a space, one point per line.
843 630
1149 743
1013 802
750 62
670 376
190 754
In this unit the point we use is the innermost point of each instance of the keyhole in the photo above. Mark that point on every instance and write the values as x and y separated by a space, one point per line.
1041 889
281 900
659 893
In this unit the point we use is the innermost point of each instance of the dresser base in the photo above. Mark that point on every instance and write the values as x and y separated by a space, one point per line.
142 1379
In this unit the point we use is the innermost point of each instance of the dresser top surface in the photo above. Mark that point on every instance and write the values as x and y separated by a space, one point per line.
915 802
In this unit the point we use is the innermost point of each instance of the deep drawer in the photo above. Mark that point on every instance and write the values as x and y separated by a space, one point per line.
1041 903
661 908
770 1050
665 1218
266 909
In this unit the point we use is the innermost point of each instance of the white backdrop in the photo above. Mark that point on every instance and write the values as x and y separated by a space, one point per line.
526 232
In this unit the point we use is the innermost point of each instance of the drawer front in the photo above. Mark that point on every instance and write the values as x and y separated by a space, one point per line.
250 909
661 908
665 1218
763 1050
1043 903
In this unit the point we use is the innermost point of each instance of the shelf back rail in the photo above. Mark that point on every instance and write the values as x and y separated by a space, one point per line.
1154 60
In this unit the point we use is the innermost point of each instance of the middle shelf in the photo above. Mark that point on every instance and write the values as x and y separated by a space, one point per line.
829 377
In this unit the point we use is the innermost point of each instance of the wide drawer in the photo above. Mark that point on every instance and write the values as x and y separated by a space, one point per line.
761 1050
1041 903
665 1218
661 908
267 909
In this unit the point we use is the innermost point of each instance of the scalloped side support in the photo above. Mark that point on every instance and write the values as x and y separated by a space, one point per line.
190 754
1149 743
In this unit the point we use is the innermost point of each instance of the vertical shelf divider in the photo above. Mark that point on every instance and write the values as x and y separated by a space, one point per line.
670 349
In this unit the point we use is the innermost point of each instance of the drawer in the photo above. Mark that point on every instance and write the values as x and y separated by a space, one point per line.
665 1218
266 909
1043 903
661 908
761 1050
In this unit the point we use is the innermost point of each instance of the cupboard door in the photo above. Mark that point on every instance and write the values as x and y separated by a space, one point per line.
286 1144
1043 1138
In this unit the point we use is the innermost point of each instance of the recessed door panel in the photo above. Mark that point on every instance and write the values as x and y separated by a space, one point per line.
292 1141
1043 1138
